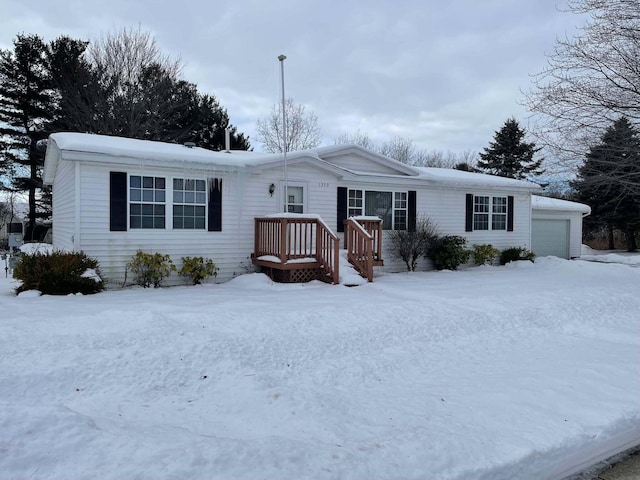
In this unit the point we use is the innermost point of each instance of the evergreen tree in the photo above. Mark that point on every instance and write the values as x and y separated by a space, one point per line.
209 130
126 87
607 178
509 155
26 109
75 84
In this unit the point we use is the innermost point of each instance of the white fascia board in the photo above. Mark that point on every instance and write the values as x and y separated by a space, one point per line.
176 163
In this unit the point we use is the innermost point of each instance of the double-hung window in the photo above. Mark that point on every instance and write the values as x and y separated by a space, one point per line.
400 211
480 213
489 213
147 197
189 203
356 203
499 213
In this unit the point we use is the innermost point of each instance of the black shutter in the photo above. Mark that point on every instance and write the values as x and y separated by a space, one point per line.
214 217
468 224
510 213
341 212
118 201
411 211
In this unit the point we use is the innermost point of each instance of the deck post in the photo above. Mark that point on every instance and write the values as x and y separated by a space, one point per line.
283 240
369 262
336 261
256 238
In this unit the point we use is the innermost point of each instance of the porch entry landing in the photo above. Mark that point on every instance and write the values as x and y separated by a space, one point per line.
300 248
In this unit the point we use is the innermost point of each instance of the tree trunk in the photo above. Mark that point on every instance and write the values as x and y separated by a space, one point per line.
33 175
631 239
612 245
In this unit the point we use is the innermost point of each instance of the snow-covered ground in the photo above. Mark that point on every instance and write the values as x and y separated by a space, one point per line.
519 371
610 256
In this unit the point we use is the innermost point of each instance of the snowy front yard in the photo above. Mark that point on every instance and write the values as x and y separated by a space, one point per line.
488 373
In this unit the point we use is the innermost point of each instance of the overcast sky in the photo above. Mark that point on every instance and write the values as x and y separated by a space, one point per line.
446 74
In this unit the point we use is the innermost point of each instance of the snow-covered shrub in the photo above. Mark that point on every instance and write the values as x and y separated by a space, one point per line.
58 273
410 245
448 252
150 268
516 253
196 269
484 254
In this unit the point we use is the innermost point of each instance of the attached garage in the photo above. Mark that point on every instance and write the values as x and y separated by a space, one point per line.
550 237
556 227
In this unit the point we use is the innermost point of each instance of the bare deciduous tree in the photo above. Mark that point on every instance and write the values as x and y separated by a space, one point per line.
135 82
124 55
359 138
302 128
405 150
590 81
465 160
402 150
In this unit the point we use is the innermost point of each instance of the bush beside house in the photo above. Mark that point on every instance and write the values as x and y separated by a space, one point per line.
58 273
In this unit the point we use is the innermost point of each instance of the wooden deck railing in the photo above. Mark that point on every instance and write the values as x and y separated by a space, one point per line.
295 240
362 242
328 251
373 226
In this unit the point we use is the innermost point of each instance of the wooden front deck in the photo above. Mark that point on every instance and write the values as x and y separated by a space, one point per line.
301 248
296 248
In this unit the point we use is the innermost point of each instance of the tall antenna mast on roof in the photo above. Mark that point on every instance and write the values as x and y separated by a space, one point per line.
282 58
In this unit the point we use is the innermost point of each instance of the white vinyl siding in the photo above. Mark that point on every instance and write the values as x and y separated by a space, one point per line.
64 206
446 208
244 197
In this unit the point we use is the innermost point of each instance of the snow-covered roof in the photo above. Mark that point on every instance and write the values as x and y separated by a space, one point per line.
91 147
87 147
130 147
460 178
547 203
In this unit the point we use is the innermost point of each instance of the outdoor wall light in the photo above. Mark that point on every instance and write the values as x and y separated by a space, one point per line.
272 188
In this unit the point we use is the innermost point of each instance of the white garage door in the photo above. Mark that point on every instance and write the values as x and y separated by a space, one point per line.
550 237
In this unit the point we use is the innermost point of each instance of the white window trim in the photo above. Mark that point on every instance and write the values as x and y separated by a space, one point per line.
206 204
294 183
142 201
505 214
490 214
